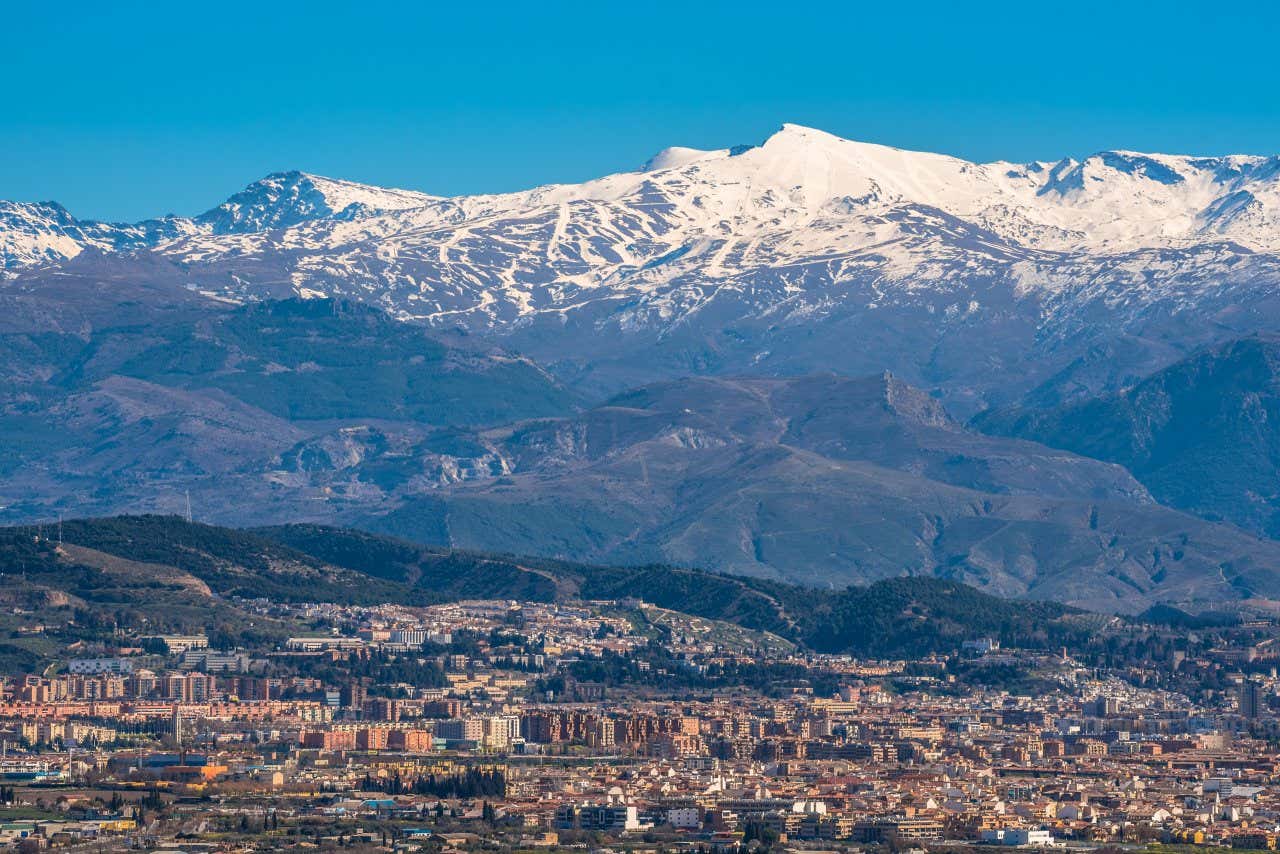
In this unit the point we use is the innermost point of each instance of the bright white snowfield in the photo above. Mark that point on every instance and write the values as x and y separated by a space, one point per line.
786 226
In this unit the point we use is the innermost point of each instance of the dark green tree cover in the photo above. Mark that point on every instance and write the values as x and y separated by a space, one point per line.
24 550
922 615
231 562
754 830
379 668
472 783
439 574
665 671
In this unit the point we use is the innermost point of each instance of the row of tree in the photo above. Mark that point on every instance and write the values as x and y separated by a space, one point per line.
472 783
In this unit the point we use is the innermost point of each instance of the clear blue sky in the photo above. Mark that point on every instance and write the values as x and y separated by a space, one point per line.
124 110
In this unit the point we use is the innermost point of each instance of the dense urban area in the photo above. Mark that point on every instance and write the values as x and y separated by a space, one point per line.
515 725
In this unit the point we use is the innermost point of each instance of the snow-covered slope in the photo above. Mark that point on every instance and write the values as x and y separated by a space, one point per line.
727 259
37 233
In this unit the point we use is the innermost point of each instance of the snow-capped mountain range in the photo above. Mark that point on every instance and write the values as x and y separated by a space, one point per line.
485 404
722 258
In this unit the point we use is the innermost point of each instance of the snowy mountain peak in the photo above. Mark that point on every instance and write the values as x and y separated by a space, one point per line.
34 232
284 199
797 135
